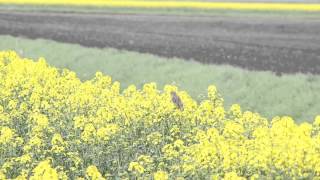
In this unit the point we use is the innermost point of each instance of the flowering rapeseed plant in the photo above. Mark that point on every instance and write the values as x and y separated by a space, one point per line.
54 126
189 4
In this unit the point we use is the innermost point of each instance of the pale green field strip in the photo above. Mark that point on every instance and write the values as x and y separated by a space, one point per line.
295 95
177 4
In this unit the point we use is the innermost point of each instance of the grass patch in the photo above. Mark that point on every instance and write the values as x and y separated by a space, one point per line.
263 92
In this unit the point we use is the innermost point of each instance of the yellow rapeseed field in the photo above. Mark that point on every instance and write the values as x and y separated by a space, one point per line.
54 126
175 4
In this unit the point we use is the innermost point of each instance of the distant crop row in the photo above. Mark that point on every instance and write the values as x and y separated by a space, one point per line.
53 126
175 4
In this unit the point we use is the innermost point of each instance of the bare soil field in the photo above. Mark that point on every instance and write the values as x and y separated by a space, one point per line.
278 44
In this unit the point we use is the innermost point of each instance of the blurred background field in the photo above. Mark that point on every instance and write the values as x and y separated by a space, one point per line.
264 92
261 54
309 5
160 11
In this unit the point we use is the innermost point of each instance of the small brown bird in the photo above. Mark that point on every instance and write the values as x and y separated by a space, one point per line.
176 100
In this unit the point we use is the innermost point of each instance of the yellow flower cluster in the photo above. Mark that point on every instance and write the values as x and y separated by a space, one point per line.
190 4
54 126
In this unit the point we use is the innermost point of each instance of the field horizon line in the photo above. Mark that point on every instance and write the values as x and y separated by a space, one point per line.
281 6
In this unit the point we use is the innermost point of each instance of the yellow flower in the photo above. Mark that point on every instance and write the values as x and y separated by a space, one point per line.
214 96
6 135
179 144
93 173
41 120
89 133
145 160
12 104
47 113
105 133
160 175
2 175
136 168
232 176
235 110
57 139
44 171
154 138
57 143
233 130
26 158
23 175
317 121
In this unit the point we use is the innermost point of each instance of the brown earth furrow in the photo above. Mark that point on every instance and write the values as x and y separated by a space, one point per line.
279 44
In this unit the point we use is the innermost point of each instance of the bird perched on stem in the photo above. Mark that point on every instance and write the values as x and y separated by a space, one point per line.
176 100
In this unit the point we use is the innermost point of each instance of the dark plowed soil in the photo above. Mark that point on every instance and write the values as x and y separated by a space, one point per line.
282 45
